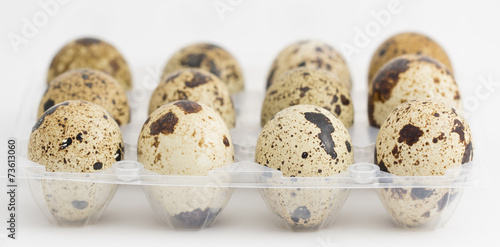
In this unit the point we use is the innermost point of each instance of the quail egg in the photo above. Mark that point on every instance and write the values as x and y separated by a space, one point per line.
196 85
423 137
88 85
308 86
75 137
190 139
211 58
91 53
410 77
407 43
305 141
311 54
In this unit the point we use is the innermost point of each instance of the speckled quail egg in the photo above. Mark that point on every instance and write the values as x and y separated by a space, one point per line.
76 137
91 53
423 137
311 54
186 138
196 85
308 86
211 58
88 85
407 43
305 141
410 77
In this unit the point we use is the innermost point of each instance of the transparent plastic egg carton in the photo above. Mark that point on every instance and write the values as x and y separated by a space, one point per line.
296 203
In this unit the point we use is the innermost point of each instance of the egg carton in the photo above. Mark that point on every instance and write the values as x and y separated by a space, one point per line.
195 202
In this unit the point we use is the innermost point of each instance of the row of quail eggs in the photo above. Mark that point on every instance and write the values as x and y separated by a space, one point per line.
80 114
415 101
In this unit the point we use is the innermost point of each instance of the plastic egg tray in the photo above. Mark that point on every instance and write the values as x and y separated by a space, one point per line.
194 202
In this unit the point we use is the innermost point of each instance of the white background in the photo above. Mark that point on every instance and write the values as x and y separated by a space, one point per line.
148 32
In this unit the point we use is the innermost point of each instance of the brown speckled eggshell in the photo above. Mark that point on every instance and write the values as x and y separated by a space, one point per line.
310 54
184 138
76 136
423 137
211 58
88 85
407 43
195 85
91 53
308 86
410 77
305 141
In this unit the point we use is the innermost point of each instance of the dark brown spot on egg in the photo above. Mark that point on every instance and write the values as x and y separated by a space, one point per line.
48 104
305 74
426 214
97 166
114 65
182 95
420 193
303 91
348 146
458 128
457 96
387 78
410 134
193 60
188 106
85 77
66 143
165 124
197 80
87 41
302 64
382 52
318 49
436 80
304 155
436 114
273 92
147 120
338 111
104 116
89 85
326 130
344 100
79 137
395 151
119 154
213 68
157 158
225 141
334 99
468 153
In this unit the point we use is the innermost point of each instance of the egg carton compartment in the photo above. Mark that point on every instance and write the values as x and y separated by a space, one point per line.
194 202
296 203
